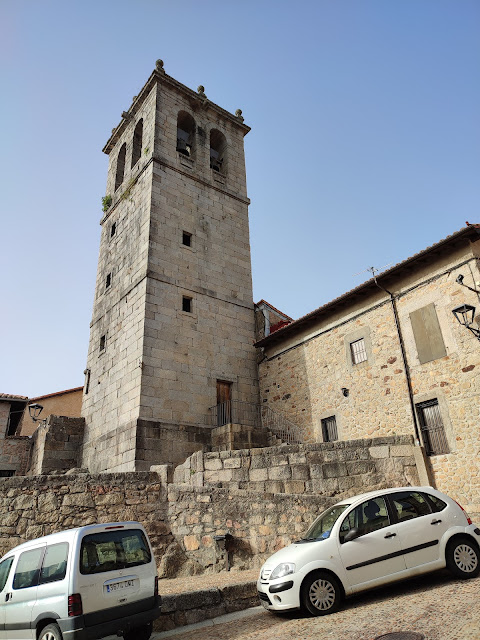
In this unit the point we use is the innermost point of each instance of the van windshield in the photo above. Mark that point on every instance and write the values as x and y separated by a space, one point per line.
323 525
112 550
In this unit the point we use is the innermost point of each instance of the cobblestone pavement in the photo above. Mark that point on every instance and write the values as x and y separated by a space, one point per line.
438 606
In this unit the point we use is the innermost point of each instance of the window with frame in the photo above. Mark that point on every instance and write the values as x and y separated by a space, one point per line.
358 351
187 304
432 429
329 429
119 174
137 142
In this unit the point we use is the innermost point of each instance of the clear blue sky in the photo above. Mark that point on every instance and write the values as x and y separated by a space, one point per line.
364 146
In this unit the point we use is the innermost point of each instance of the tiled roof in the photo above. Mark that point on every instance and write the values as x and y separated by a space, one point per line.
468 230
262 301
58 393
10 397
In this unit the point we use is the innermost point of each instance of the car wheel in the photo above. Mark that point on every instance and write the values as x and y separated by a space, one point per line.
463 558
320 593
51 632
140 633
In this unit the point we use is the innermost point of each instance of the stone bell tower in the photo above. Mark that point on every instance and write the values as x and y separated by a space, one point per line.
171 344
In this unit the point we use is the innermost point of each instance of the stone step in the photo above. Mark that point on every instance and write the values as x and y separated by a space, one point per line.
187 601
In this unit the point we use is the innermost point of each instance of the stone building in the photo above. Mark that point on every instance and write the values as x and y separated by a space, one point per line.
61 403
14 448
390 358
173 320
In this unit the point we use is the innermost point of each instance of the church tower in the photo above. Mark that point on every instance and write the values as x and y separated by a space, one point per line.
171 343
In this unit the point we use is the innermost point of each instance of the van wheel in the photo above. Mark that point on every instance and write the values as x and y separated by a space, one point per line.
139 633
320 593
51 632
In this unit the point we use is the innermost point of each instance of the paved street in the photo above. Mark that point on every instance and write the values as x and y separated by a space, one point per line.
438 606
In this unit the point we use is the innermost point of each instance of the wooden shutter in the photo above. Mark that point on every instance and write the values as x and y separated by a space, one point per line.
427 333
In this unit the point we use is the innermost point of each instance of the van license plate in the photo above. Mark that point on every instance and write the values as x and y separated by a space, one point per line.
118 586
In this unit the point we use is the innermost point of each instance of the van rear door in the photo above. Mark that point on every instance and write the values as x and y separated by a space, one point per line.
117 574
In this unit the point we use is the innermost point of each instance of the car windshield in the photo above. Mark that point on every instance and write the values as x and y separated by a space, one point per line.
323 525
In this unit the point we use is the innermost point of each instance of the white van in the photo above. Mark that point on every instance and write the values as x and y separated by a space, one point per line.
80 584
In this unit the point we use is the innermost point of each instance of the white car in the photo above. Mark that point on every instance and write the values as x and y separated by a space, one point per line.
367 541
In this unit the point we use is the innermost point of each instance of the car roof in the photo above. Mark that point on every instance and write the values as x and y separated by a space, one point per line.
380 492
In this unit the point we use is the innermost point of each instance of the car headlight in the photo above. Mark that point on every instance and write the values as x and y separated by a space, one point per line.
284 569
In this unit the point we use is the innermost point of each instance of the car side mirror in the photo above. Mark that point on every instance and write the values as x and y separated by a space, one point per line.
352 535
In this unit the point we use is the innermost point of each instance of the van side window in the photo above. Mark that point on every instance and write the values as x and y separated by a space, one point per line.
55 563
113 550
26 573
4 571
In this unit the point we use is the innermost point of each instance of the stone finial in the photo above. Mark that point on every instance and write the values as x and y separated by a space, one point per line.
126 115
238 113
201 91
134 98
159 66
113 130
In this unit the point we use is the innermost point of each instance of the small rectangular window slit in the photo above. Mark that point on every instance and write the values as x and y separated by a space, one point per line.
187 304
187 239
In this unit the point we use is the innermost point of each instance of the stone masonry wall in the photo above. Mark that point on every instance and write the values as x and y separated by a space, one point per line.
232 494
31 507
333 469
56 446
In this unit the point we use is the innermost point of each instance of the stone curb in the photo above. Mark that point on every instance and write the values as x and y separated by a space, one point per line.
228 617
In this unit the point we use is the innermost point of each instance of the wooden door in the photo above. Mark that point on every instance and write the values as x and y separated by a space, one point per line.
224 402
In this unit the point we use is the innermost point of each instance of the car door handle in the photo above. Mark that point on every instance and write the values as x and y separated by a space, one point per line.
435 522
390 535
7 597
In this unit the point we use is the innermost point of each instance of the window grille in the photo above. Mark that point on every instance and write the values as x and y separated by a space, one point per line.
431 426
358 351
329 429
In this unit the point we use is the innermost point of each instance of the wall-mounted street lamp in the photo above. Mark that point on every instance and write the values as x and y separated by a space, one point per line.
35 410
465 314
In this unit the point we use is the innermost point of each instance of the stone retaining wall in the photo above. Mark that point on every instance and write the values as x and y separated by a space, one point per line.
326 469
31 507
264 498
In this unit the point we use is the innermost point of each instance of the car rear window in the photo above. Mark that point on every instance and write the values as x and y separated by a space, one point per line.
437 504
112 550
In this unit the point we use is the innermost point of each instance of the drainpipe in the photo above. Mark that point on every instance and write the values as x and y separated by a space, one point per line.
404 358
